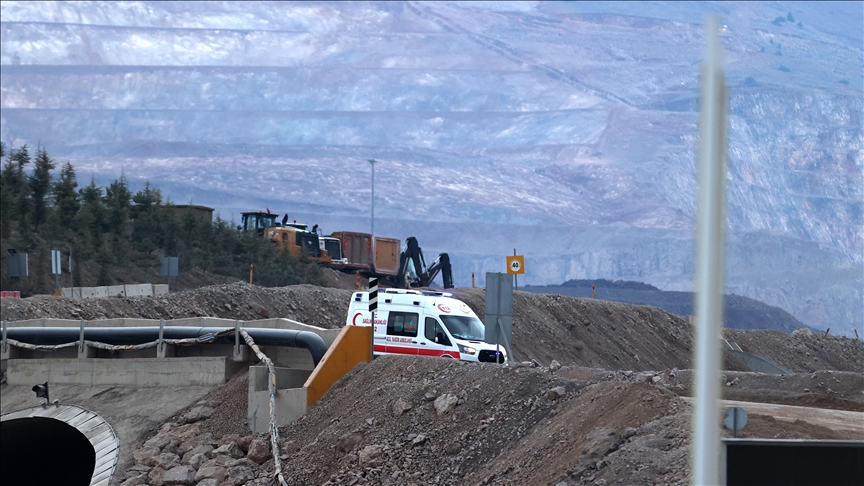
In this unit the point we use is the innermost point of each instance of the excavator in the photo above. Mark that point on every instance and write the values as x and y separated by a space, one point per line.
413 271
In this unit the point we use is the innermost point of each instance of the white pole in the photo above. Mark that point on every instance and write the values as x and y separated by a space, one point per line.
710 263
372 161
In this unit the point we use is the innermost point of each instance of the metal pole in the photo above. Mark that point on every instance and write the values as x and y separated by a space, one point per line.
515 277
4 337
372 161
236 337
71 278
161 329
710 264
81 337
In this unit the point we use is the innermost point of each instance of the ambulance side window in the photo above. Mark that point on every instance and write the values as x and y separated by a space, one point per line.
434 329
402 324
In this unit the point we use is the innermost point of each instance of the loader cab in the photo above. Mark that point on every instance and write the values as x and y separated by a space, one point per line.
297 242
258 221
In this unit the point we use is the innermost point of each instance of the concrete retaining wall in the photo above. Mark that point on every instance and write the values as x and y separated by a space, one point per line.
137 290
130 372
290 397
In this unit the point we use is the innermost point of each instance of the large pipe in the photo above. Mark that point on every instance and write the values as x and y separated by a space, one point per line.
138 335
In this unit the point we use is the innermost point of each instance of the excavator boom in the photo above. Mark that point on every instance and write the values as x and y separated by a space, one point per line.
412 259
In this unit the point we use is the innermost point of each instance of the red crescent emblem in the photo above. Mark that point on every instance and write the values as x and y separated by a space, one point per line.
444 308
354 321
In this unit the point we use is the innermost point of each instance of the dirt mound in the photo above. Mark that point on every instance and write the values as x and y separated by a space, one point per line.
418 420
403 420
802 351
319 306
573 331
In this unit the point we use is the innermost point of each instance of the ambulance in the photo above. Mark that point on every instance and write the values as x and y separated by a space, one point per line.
424 323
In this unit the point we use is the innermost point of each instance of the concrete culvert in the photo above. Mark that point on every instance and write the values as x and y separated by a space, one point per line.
45 451
63 444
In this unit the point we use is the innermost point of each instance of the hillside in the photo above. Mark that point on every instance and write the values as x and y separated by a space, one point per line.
546 327
613 412
740 312
563 129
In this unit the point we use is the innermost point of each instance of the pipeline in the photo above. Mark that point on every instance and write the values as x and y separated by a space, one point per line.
146 334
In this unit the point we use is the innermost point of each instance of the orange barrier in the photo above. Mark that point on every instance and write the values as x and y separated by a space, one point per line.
352 346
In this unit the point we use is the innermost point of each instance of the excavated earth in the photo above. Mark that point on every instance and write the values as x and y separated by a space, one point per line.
597 396
546 327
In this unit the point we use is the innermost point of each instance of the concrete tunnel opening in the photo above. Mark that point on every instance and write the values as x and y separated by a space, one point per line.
41 451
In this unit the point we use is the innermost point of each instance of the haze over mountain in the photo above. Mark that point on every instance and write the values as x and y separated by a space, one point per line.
564 130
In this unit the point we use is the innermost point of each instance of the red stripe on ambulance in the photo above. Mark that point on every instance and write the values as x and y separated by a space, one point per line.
379 348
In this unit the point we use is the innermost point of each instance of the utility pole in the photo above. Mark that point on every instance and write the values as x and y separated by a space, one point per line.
710 263
372 161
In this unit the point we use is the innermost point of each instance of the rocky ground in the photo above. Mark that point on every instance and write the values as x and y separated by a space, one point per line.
599 398
406 420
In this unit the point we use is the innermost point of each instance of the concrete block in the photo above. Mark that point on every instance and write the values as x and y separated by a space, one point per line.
285 378
287 357
241 354
290 405
117 290
166 351
87 352
160 289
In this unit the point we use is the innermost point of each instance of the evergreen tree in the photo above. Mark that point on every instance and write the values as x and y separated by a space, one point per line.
7 195
146 234
105 260
40 185
21 158
92 216
118 200
65 196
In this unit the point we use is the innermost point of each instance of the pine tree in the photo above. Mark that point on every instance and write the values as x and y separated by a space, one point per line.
91 218
146 231
40 185
7 195
65 196
105 260
118 200
21 158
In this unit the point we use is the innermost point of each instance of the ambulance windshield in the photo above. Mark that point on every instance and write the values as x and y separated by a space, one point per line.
464 327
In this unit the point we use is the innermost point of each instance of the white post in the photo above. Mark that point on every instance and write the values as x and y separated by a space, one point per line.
372 161
710 264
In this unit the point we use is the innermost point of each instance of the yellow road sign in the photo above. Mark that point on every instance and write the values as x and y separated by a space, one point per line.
516 264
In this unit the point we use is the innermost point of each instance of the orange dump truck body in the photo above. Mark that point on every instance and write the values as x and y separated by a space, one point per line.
357 249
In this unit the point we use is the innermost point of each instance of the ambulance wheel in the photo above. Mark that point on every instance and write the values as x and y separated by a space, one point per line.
446 356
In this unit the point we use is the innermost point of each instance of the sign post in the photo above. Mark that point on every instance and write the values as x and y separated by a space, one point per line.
56 267
373 308
17 264
735 419
169 268
516 266
499 311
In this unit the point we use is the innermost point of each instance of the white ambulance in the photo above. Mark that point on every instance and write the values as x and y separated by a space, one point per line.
424 324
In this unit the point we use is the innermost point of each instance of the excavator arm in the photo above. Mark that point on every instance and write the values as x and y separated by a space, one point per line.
421 276
441 264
